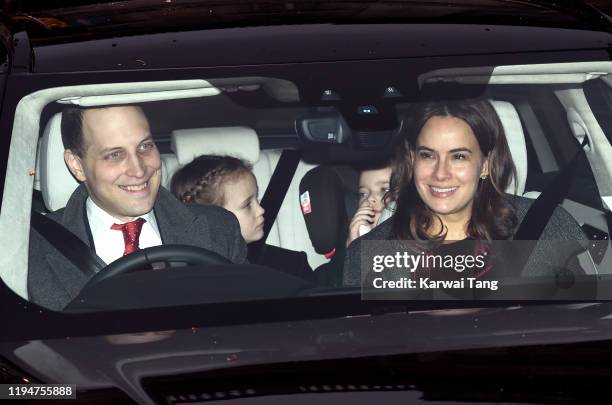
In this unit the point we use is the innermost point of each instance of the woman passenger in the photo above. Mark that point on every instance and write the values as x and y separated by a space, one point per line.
449 180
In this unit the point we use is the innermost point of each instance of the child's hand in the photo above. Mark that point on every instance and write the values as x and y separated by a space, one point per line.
364 216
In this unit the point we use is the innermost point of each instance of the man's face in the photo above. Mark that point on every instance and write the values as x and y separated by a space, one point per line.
121 165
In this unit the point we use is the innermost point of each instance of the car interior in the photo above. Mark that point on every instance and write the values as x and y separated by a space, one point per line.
545 111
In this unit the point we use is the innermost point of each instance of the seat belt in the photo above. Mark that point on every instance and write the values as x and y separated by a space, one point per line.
541 210
274 196
68 244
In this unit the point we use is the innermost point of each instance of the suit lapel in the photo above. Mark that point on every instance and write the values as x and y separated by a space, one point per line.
176 223
73 219
69 282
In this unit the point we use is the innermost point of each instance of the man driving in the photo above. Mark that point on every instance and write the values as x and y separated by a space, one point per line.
119 207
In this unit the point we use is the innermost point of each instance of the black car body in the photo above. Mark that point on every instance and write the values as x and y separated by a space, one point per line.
273 63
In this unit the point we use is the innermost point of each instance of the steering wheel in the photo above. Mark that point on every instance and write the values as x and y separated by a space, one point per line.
144 258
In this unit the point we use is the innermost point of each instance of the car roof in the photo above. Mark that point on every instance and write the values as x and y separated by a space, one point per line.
307 43
71 21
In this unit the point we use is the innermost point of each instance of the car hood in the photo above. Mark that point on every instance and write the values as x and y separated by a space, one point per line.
126 361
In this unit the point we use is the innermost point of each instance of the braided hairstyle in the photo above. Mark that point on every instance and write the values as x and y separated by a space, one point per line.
199 182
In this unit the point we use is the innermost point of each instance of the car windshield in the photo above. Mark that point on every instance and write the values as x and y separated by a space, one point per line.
396 180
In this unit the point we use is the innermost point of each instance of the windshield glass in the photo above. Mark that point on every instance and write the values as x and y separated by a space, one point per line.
425 182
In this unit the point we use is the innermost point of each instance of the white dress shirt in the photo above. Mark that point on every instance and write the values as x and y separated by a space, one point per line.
109 242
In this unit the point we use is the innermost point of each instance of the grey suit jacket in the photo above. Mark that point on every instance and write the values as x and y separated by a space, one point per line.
53 281
561 231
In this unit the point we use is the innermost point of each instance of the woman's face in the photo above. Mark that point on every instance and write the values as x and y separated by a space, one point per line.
241 199
448 163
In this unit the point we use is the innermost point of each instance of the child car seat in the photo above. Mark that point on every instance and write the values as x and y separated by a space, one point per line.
329 198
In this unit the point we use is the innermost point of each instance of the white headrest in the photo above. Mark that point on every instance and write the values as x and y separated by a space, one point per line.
56 181
240 142
516 142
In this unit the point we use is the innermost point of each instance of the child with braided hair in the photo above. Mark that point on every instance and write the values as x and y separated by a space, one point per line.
229 182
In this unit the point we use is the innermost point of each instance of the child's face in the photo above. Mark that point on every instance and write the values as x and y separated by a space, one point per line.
241 199
373 184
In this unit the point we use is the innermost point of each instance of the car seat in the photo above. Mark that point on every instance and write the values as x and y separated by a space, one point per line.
328 198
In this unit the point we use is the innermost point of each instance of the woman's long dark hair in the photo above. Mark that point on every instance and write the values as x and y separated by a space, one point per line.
493 216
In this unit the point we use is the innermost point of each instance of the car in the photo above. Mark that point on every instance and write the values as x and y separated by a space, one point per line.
308 93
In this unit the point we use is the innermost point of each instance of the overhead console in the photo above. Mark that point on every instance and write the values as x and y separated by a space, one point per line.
350 132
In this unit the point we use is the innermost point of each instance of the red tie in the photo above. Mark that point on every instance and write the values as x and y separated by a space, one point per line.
131 232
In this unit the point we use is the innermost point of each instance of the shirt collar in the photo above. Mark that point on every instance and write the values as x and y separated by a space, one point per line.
100 220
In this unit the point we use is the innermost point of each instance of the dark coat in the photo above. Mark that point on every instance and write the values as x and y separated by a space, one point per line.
560 242
288 261
53 281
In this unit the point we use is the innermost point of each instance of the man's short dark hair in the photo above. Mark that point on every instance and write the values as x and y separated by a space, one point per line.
72 126
72 129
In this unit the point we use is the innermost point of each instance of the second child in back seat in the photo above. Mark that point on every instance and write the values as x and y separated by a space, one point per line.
373 188
229 182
